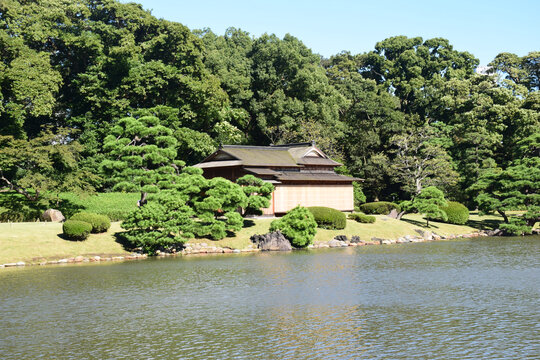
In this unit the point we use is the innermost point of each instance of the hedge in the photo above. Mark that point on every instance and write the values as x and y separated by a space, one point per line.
100 223
379 207
362 218
76 230
328 218
457 213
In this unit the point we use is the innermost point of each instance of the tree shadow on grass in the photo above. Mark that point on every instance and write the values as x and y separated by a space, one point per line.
248 223
121 239
420 223
487 224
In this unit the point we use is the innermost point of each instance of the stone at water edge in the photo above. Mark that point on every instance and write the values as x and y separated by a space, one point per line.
274 241
334 243
355 239
426 235
52 215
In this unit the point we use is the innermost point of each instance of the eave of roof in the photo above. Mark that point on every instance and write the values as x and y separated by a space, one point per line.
314 176
218 164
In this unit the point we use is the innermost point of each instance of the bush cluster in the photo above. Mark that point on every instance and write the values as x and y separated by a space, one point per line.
76 230
362 218
457 213
328 218
298 225
379 207
100 223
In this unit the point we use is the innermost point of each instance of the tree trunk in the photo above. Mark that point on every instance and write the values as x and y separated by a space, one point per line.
143 200
400 215
502 213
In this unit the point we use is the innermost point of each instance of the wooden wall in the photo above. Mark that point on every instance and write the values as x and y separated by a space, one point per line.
286 197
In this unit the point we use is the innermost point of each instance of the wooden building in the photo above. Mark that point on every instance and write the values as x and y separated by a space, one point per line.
301 173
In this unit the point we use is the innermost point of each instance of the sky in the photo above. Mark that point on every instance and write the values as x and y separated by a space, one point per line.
481 27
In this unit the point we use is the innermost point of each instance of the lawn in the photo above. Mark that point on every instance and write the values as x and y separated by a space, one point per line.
38 241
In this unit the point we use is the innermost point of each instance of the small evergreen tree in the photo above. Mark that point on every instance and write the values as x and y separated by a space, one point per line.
258 194
141 156
298 225
428 203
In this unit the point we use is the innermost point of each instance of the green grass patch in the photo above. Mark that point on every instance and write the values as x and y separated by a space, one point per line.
38 241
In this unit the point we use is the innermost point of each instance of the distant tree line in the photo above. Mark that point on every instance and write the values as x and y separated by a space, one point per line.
410 114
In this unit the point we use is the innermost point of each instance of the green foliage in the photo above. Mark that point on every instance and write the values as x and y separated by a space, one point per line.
76 230
379 207
362 218
515 188
100 223
359 197
165 223
42 167
141 156
298 225
258 194
14 207
328 218
429 202
409 114
422 160
116 206
456 213
214 202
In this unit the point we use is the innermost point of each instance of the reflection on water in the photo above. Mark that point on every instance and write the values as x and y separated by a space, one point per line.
461 299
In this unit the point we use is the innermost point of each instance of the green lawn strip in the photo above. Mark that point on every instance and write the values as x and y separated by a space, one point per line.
38 241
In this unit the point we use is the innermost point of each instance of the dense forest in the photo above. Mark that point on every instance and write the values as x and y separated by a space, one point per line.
409 114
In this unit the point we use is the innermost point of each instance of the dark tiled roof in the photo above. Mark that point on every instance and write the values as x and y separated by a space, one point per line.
259 160
262 171
261 156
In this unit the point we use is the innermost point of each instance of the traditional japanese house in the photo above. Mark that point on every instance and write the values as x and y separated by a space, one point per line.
301 173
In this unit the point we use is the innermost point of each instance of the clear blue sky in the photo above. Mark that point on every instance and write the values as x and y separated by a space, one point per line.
484 28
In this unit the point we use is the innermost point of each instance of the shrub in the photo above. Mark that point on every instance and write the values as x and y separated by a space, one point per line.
298 225
328 218
362 218
100 223
76 230
457 213
379 207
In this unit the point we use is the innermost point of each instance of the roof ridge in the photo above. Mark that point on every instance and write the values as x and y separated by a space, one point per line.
253 147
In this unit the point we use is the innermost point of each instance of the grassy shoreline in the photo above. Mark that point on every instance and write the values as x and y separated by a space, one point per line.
37 242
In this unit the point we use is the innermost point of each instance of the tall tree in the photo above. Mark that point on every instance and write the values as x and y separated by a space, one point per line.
422 161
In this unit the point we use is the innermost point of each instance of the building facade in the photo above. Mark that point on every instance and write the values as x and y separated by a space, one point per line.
301 174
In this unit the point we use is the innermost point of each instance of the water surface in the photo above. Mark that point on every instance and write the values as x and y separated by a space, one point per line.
466 299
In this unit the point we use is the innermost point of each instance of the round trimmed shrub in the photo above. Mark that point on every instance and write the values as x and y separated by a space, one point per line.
457 213
100 223
379 207
362 218
298 225
76 230
328 218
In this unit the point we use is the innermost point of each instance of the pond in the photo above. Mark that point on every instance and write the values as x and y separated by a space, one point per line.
463 299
